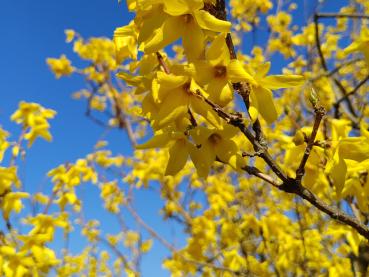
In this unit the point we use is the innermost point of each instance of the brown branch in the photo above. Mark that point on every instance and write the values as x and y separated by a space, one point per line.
170 247
120 115
238 121
342 15
243 89
325 67
117 252
257 173
295 187
292 186
192 118
319 114
162 63
358 86
335 70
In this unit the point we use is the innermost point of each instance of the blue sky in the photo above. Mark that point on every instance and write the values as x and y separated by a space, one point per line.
31 31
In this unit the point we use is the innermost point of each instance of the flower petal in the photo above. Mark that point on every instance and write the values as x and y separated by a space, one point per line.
210 22
220 91
203 109
225 148
265 104
193 41
218 53
170 31
337 169
176 7
174 105
282 81
157 141
202 158
236 73
178 155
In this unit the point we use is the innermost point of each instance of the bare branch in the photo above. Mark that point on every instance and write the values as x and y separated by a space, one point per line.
355 89
319 114
325 67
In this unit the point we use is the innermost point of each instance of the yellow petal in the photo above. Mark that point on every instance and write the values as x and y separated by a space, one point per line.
218 53
178 155
157 141
169 32
170 81
193 41
262 70
220 91
237 162
354 148
226 148
176 7
253 112
282 81
337 169
353 47
175 105
236 73
203 109
265 104
200 134
203 72
202 158
150 24
210 22
181 7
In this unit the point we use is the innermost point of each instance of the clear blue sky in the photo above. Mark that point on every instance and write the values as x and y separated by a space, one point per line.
31 31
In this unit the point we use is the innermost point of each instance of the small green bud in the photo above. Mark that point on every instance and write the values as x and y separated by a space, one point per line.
313 97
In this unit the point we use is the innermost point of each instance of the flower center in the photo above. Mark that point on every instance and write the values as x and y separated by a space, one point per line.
220 71
187 88
215 138
187 18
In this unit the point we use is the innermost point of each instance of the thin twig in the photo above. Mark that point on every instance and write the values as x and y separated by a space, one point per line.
256 172
325 67
243 89
117 252
358 86
335 70
162 63
238 121
296 188
342 15
319 114
170 247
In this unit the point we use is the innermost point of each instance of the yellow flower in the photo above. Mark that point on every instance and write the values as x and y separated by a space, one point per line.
175 96
178 152
70 35
16 263
8 177
131 238
360 44
344 149
125 40
213 144
218 72
169 20
60 67
261 94
4 144
12 202
45 225
112 195
33 118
